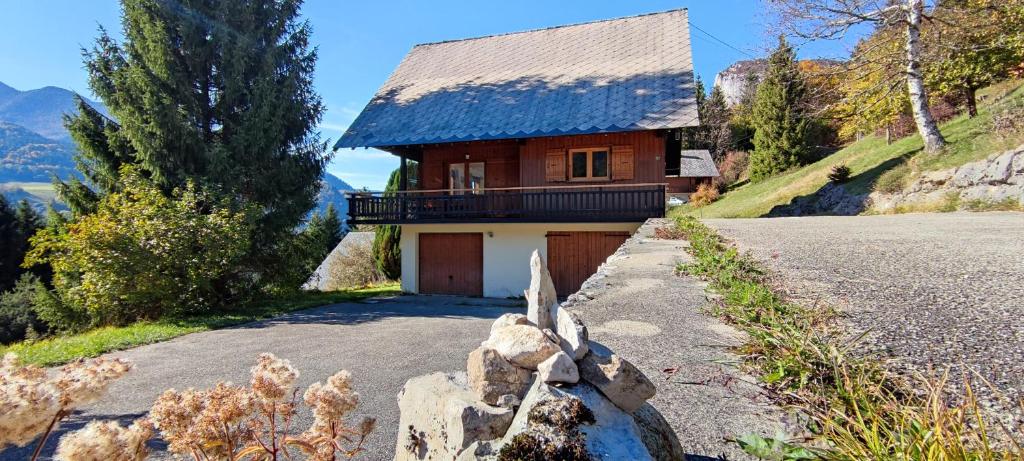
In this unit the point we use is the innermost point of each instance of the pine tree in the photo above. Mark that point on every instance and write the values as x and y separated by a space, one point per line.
10 238
321 235
780 127
386 251
217 92
715 135
332 227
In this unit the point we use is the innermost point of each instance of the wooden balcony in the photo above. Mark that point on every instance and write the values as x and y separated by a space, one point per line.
607 203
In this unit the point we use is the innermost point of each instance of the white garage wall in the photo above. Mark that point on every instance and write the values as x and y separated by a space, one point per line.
507 249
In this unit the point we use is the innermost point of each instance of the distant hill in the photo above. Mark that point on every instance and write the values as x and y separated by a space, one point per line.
40 110
26 156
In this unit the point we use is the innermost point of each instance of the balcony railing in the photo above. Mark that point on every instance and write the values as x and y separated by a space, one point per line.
608 203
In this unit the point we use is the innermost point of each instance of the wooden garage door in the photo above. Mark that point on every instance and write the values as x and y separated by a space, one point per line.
451 264
574 256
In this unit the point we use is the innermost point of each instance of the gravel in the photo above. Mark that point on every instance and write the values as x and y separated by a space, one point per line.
636 306
383 342
932 291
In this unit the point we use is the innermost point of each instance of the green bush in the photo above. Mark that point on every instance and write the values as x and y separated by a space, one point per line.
18 321
144 254
839 174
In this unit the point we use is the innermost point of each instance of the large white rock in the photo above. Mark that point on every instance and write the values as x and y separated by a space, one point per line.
573 335
491 376
440 417
613 435
523 345
622 382
558 368
507 320
541 297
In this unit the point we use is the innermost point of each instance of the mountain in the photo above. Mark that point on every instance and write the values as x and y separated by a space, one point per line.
41 110
26 156
332 190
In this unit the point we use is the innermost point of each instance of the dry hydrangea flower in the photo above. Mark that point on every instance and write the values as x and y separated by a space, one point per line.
85 381
106 441
272 378
332 401
28 402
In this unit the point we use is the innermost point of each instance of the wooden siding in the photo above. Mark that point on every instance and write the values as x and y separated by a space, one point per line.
501 165
648 156
677 185
451 264
574 256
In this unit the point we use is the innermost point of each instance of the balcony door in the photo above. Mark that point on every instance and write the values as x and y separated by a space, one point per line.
466 177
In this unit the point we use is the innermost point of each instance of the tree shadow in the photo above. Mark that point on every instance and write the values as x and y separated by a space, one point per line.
72 423
855 199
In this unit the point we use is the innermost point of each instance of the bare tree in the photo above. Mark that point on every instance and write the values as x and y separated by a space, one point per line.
834 19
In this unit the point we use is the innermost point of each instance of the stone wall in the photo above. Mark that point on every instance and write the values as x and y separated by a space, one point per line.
998 178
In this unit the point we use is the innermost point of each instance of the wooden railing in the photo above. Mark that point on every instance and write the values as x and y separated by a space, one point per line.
608 203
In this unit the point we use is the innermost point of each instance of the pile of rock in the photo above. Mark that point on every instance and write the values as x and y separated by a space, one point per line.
537 384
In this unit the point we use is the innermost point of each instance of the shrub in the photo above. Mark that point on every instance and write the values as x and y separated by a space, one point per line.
733 167
143 254
18 320
706 193
839 174
231 422
892 181
354 267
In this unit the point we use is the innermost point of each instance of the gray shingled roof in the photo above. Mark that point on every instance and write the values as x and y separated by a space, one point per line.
625 74
697 164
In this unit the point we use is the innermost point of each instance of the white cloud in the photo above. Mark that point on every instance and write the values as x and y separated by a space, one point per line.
339 127
344 155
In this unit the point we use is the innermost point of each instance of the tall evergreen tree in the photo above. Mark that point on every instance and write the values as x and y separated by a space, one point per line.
322 234
217 92
386 251
780 127
716 135
17 225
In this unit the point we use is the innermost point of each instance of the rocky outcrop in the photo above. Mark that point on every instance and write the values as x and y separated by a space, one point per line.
998 178
831 199
578 405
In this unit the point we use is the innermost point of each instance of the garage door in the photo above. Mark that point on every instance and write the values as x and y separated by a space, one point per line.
451 264
574 256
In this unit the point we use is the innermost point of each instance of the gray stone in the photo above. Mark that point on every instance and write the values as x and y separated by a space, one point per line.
572 334
657 434
970 174
1000 168
492 376
508 320
509 401
441 417
613 435
559 368
541 295
622 382
523 345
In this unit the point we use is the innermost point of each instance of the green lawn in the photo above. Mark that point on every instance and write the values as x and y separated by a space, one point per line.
969 140
63 349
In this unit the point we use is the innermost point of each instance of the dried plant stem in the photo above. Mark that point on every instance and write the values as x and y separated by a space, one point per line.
42 441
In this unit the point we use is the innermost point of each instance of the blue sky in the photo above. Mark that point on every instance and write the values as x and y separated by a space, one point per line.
361 42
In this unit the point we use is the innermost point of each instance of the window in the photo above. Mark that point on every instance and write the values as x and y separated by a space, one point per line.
466 177
589 164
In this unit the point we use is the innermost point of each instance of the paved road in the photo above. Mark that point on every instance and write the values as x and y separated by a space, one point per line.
932 290
382 343
640 309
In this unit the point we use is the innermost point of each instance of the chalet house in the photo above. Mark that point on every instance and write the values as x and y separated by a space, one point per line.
562 139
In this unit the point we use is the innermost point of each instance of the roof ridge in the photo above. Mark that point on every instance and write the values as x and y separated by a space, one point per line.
562 26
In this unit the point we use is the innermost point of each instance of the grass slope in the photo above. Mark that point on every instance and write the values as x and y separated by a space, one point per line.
969 140
63 349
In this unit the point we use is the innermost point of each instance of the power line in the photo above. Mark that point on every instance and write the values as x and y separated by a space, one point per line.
720 40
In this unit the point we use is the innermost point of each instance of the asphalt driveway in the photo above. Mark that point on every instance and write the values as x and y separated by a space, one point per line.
383 342
932 291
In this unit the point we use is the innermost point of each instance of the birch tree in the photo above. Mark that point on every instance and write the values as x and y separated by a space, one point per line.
836 19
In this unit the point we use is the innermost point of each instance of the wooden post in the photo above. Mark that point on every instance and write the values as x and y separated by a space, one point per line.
403 175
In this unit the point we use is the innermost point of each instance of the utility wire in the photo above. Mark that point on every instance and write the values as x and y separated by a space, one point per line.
720 40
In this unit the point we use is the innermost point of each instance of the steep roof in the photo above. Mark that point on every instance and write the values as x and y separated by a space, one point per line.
697 164
626 74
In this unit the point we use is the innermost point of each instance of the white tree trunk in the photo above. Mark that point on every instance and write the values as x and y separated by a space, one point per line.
933 140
